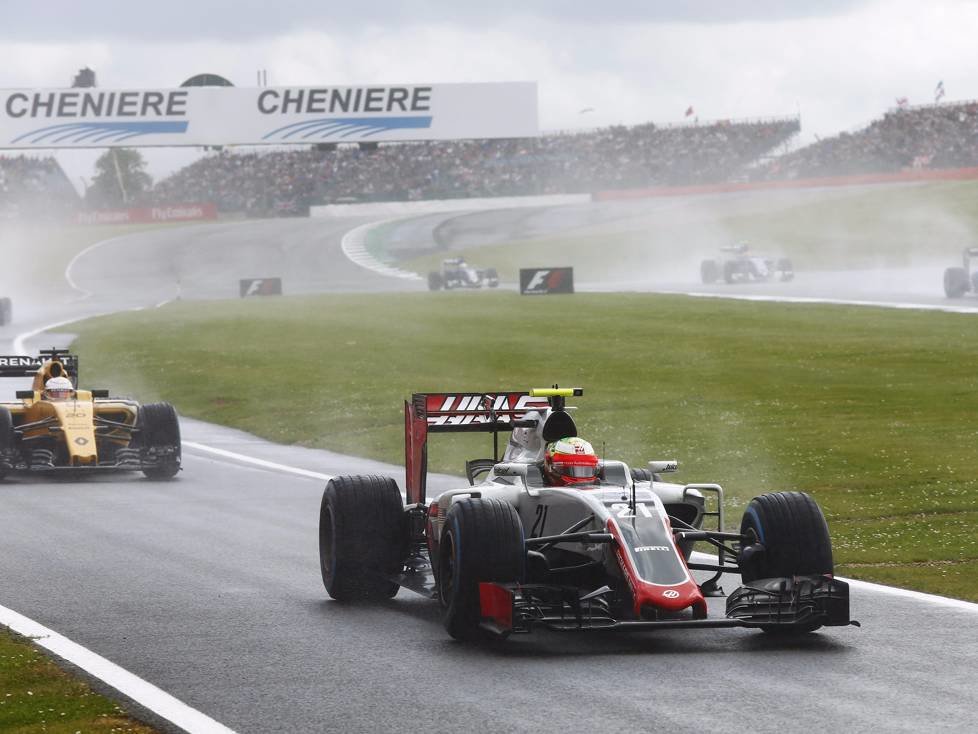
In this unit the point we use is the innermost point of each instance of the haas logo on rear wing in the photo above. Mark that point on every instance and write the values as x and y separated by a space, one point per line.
488 412
465 409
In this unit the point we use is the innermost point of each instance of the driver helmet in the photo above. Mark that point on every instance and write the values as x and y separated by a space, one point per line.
570 460
58 388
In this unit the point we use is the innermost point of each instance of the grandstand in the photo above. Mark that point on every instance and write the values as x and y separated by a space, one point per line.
287 181
277 182
928 136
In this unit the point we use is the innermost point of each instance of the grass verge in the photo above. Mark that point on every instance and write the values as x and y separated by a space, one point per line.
37 696
882 226
870 410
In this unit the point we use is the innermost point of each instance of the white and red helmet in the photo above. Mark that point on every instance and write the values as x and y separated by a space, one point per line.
570 460
58 388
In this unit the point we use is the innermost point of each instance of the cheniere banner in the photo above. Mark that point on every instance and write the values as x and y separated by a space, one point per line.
100 118
149 214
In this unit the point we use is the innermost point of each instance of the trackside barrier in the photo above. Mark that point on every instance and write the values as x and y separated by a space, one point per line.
149 214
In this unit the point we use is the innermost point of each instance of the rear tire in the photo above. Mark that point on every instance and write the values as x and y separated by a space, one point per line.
641 475
8 442
709 271
730 269
792 530
482 541
785 270
362 537
955 282
434 281
159 439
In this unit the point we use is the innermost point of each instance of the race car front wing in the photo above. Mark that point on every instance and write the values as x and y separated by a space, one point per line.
797 603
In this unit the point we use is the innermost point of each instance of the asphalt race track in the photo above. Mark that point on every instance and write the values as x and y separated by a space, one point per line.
208 586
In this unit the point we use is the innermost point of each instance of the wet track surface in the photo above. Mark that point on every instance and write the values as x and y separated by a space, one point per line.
208 586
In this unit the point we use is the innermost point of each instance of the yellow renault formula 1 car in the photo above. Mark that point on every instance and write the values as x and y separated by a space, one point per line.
54 426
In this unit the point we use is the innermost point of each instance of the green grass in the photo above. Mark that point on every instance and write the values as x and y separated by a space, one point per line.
873 411
893 226
37 696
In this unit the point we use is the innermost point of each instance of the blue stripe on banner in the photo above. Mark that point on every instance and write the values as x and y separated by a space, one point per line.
79 131
347 126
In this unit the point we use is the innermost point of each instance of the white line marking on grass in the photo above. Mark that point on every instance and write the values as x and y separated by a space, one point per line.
257 462
830 301
18 343
71 281
354 246
142 692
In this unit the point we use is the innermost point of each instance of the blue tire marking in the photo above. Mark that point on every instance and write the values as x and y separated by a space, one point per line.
757 523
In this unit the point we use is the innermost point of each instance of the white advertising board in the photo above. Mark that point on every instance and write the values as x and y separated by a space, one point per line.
99 118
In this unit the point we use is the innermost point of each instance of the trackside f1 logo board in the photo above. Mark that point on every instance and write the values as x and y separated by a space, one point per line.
543 281
260 287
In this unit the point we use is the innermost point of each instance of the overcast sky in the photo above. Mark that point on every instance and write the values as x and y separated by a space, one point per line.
839 63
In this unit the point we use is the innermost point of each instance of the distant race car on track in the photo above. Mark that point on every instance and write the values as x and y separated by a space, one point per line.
555 537
743 266
55 427
456 273
958 281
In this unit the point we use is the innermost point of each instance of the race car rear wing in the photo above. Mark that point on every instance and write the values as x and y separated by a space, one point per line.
469 412
19 365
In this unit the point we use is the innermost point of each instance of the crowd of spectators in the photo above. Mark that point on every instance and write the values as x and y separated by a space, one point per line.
288 181
931 136
615 157
35 187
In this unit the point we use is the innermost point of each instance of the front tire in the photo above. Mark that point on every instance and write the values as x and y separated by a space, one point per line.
793 540
709 271
785 270
362 537
955 282
159 439
482 541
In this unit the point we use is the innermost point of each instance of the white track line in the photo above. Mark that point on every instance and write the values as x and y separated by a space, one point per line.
830 301
257 462
71 281
354 246
145 694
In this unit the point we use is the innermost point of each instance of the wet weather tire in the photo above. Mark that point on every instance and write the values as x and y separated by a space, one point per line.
955 282
362 537
795 537
159 440
434 281
730 271
8 442
709 271
641 475
785 270
482 541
